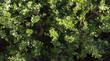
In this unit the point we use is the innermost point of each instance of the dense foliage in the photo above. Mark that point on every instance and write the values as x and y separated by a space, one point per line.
54 30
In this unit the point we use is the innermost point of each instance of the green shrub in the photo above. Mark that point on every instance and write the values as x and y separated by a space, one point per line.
60 30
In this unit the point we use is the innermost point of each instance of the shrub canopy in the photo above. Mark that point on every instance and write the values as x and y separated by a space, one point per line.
54 30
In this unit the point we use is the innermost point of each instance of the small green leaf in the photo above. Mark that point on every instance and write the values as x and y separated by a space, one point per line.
35 19
70 39
29 31
29 4
14 6
53 33
7 14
